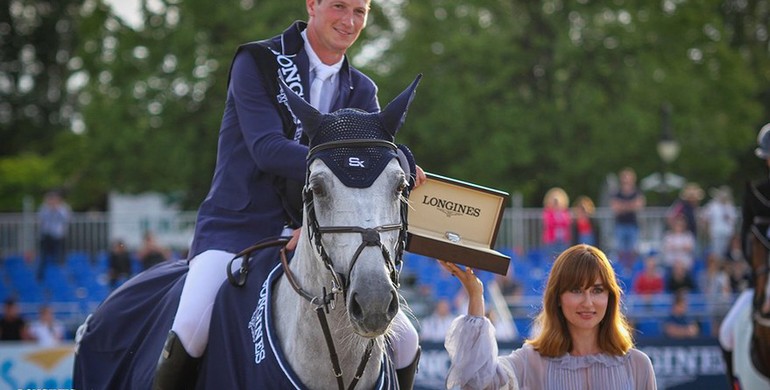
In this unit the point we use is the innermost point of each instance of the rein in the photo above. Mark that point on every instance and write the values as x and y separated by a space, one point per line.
319 310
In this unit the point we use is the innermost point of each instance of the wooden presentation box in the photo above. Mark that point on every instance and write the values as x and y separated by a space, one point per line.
458 222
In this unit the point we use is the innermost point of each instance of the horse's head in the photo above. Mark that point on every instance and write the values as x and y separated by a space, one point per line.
355 211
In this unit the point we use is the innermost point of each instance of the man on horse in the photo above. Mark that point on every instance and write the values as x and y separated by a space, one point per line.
261 162
755 239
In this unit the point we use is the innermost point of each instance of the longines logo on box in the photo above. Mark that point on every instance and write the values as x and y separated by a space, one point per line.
451 208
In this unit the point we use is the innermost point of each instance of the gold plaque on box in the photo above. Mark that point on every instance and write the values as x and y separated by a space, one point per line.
457 221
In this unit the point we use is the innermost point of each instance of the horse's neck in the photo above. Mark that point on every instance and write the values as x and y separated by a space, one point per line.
301 335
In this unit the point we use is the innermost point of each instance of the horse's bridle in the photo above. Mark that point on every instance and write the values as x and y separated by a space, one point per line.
369 236
340 283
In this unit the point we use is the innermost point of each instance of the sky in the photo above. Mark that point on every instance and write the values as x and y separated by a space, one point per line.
128 10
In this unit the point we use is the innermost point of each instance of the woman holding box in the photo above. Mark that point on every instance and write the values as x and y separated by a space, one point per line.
584 341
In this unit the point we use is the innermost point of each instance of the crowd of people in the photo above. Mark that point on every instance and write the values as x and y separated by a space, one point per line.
46 330
670 269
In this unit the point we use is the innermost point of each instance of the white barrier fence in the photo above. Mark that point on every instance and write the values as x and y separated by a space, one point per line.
92 232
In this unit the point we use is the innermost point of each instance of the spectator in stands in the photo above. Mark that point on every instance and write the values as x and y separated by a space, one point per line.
721 218
626 203
679 325
584 229
679 279
735 251
556 221
584 339
12 326
715 282
151 252
687 206
53 219
510 285
435 326
715 285
736 266
678 245
740 276
47 330
119 263
650 280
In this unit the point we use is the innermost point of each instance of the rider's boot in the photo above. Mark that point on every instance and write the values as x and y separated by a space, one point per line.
176 369
406 375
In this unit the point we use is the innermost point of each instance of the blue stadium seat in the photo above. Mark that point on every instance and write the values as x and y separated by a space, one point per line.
536 257
705 328
446 288
58 285
102 262
22 280
5 292
523 325
649 328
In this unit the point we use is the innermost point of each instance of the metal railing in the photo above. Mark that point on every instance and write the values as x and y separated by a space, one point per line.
91 232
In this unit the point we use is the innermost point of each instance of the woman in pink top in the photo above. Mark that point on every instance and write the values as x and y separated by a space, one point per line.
557 221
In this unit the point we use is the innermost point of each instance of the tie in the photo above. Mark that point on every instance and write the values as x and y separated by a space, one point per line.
318 98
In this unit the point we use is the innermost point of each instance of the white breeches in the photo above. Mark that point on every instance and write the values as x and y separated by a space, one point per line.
207 272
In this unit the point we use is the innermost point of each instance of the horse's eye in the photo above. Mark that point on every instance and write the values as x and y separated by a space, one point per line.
318 189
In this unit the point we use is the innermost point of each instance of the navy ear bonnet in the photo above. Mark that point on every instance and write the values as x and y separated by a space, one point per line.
356 164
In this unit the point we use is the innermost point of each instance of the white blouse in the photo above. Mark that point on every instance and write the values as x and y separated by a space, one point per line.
473 352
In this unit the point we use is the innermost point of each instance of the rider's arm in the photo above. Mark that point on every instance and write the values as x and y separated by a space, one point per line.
260 123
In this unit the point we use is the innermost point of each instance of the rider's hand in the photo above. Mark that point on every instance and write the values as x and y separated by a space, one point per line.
293 241
419 177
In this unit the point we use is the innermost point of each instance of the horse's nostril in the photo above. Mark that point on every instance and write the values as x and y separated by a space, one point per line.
355 308
393 307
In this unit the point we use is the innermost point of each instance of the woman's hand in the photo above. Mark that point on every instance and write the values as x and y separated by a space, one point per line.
472 285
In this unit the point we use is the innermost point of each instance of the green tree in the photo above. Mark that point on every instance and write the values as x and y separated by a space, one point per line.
36 42
523 96
155 93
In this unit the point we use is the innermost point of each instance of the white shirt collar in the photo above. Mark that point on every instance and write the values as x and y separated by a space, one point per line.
315 61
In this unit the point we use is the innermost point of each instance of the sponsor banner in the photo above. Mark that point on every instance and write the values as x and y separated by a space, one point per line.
29 366
679 364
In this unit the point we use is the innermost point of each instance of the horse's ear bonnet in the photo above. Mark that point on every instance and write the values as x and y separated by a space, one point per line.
355 166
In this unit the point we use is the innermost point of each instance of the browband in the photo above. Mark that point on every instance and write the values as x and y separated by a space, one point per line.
360 143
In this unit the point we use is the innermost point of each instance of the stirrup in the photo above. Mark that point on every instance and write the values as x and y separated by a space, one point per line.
176 369
406 375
